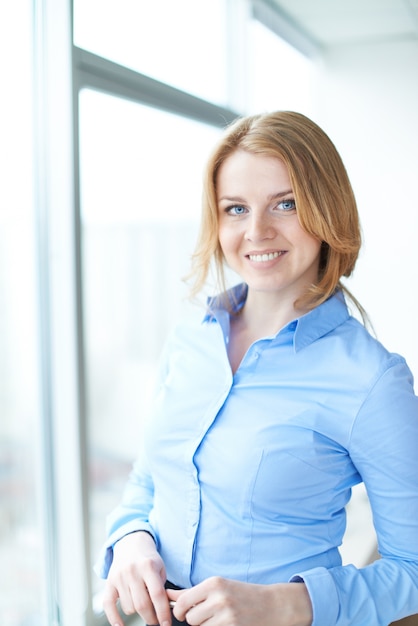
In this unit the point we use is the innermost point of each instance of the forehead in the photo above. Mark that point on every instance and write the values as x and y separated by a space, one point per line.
246 169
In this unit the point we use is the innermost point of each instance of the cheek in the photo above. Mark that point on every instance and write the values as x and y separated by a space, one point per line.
313 249
310 246
227 238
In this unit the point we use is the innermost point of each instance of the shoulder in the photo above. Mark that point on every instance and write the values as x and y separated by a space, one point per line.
195 336
361 344
345 347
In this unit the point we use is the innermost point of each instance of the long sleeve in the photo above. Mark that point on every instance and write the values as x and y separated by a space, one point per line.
383 447
133 512
131 515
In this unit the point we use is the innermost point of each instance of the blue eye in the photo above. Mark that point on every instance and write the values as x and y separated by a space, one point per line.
287 205
236 209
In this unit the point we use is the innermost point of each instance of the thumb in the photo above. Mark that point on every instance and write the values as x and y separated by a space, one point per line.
174 594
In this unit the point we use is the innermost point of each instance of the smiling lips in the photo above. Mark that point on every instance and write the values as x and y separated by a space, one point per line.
260 258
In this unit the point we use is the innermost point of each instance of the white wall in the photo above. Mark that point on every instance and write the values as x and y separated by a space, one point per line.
367 101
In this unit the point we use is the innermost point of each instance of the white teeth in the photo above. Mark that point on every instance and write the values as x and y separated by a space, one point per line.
259 258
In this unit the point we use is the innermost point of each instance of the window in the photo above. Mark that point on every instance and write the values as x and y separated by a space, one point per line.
141 172
182 43
98 212
281 76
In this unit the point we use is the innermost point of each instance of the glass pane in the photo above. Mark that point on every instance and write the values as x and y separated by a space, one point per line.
181 43
141 175
21 576
285 84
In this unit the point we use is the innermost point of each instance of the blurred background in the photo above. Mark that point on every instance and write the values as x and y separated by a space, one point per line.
108 111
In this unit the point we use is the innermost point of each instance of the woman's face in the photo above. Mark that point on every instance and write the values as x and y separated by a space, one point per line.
259 230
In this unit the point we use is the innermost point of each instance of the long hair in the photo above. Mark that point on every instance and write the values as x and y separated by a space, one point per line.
325 202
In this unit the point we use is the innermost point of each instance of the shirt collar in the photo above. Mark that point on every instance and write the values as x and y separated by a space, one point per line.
320 321
221 307
231 301
307 328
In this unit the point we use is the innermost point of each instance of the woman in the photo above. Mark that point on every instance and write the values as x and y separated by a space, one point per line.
269 412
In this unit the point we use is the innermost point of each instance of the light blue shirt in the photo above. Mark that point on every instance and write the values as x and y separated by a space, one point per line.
247 476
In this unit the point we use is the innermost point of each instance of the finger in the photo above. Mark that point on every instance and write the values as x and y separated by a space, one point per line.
160 603
173 594
142 604
148 599
110 599
182 603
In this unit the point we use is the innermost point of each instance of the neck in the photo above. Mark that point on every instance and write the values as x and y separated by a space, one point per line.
266 313
263 315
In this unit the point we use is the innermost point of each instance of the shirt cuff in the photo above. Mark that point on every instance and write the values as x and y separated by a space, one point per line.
102 566
323 595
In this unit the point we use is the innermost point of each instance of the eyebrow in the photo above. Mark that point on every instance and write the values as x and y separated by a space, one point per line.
273 196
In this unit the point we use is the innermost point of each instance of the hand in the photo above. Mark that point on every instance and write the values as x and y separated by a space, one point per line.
221 602
136 577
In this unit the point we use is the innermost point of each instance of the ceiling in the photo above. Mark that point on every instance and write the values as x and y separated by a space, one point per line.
334 22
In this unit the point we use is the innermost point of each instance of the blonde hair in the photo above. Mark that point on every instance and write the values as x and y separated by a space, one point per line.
325 201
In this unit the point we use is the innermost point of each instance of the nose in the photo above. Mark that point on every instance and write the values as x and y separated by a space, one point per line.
259 227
